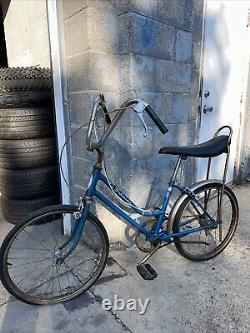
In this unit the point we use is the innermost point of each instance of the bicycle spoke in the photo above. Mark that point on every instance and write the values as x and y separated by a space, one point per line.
71 271
32 268
204 242
58 280
30 262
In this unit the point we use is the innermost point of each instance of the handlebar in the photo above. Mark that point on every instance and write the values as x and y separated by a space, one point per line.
156 119
100 102
104 108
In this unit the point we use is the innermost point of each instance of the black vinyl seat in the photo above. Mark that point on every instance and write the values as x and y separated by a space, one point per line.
210 148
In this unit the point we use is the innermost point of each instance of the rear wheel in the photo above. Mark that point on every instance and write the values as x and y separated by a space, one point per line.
206 244
28 265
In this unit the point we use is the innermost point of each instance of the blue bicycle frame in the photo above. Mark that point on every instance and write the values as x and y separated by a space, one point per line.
157 233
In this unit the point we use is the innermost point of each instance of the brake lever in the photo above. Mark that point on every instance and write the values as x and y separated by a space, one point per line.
139 108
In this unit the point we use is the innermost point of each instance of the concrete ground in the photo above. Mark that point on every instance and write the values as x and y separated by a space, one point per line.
192 297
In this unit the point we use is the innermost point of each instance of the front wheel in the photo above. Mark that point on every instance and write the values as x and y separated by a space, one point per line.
29 268
208 243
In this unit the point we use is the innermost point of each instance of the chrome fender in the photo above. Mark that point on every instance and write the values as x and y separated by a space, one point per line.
182 197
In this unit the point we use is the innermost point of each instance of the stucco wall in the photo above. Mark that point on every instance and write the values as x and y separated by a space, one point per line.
148 49
26 33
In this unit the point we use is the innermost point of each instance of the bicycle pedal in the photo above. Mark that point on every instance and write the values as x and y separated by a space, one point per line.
146 271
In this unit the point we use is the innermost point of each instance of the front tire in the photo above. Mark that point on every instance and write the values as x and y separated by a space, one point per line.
28 266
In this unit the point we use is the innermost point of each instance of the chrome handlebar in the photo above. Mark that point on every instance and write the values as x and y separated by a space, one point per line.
139 108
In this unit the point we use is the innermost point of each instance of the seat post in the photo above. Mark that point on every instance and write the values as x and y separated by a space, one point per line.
176 169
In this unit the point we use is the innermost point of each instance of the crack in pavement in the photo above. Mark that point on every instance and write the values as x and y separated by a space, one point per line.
98 299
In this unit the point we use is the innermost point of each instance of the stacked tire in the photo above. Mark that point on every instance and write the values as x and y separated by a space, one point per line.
28 154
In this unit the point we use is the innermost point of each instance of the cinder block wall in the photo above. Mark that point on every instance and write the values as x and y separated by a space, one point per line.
149 49
26 33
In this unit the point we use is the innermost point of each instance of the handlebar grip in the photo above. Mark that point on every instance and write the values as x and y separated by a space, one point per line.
106 114
156 119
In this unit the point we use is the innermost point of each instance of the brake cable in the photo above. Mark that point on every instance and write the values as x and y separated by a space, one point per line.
104 115
66 143
105 169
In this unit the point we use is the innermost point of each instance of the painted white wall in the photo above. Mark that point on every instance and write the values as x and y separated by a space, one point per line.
26 33
224 71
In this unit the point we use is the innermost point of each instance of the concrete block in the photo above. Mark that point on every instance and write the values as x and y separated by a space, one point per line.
71 7
78 170
193 111
140 34
171 108
137 73
143 7
78 144
102 28
138 145
198 6
93 71
183 47
172 77
136 33
196 54
176 136
192 132
175 12
189 171
108 5
164 41
104 72
162 105
181 108
78 72
80 106
197 27
76 33
194 88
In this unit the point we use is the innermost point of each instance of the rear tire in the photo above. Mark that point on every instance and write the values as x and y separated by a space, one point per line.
189 215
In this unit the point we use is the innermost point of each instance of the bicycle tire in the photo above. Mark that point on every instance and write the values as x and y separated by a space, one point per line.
34 220
181 247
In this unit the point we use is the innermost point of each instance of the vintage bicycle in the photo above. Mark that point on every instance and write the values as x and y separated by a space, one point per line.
41 264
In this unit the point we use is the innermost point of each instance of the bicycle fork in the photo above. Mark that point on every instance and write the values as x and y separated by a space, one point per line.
68 247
